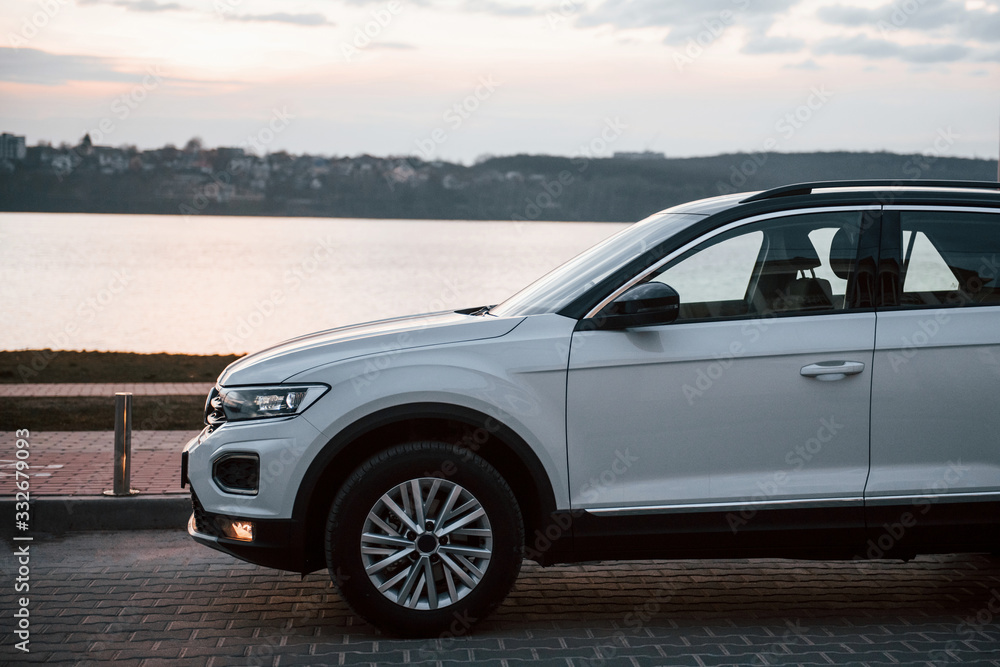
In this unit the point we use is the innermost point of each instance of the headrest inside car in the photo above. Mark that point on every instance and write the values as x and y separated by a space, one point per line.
791 250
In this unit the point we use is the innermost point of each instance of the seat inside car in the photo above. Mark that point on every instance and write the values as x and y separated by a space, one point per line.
787 274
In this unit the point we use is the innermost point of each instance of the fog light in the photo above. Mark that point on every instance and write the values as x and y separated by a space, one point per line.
238 530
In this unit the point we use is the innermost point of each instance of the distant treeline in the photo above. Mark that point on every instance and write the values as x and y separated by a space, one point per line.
520 187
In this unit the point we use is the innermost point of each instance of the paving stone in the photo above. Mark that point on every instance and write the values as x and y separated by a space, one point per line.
673 661
104 598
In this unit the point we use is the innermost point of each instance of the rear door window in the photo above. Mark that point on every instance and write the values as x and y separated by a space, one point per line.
950 258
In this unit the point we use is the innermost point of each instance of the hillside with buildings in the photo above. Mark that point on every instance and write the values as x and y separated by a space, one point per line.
195 180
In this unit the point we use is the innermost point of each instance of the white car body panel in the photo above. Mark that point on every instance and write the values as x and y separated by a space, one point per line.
935 416
695 404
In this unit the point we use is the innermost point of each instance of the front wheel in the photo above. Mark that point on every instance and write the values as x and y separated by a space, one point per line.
424 538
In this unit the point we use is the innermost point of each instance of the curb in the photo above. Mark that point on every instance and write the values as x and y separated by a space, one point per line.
55 515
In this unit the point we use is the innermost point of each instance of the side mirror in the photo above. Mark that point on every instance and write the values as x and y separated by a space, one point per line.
644 305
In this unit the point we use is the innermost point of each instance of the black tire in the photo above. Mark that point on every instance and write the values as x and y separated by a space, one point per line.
473 555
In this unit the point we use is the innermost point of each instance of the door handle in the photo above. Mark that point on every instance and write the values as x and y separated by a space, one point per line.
832 370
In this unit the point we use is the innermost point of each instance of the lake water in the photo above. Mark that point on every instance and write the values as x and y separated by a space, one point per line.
205 285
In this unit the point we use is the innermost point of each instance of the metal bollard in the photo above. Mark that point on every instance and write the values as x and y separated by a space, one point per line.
123 446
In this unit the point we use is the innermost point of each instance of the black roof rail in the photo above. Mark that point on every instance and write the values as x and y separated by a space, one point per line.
807 188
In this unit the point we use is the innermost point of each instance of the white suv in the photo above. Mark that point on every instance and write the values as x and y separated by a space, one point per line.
807 372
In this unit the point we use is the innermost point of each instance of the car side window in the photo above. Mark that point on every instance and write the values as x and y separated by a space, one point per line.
950 258
792 264
714 279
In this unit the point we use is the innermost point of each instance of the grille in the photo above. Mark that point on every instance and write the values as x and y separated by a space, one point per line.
237 473
202 521
214 414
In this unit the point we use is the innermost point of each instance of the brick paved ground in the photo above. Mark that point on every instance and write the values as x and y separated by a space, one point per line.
107 389
80 463
156 598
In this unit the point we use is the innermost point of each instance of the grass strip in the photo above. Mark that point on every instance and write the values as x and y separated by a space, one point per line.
49 366
97 413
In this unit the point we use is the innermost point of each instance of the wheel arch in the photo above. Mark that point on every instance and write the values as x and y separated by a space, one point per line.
496 442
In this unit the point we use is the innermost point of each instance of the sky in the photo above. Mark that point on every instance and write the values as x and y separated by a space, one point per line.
462 79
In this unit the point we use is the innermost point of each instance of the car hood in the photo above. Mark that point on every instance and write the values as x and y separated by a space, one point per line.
295 356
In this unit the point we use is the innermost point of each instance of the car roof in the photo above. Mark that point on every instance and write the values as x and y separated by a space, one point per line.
872 190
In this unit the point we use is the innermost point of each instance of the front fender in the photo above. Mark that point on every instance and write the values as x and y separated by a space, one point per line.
518 381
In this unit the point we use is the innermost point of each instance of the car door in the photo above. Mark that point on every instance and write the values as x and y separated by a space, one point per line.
750 412
935 448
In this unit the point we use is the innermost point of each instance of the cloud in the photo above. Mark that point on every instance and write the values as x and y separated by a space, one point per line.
685 20
867 47
940 17
136 5
764 45
934 53
858 45
848 16
983 26
496 7
50 69
501 8
308 20
957 33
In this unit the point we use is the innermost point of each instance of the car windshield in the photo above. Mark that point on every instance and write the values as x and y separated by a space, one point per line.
558 288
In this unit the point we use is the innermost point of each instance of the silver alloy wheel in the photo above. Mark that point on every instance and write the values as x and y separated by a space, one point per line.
426 543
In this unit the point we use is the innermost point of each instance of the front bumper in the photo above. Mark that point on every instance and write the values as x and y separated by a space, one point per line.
277 543
279 539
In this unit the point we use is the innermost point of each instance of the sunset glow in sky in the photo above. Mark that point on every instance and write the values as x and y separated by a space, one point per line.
456 79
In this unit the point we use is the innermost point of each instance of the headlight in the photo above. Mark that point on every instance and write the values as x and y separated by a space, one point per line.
241 403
